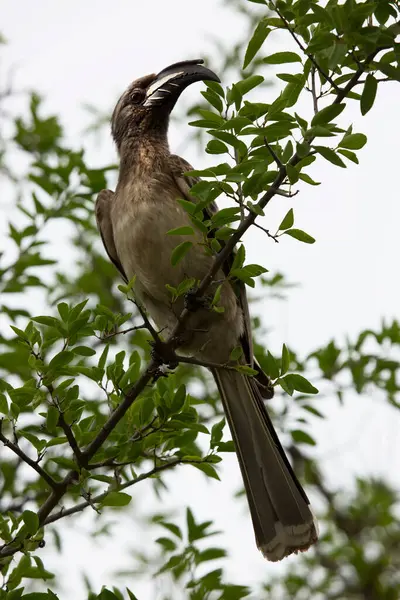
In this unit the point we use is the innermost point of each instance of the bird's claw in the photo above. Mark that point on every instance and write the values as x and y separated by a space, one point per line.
163 356
192 302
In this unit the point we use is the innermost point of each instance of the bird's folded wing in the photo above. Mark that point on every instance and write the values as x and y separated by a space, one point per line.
104 224
179 166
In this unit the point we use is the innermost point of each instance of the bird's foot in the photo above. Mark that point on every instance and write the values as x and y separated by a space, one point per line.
192 302
163 355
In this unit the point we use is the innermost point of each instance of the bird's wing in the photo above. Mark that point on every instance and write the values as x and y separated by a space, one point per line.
179 166
104 224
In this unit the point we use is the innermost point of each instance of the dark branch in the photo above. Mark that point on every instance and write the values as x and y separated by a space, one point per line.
25 458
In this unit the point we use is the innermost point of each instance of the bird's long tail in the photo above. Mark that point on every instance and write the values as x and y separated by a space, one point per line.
282 519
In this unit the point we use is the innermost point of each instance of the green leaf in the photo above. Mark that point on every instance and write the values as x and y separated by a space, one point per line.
52 419
244 86
300 383
330 155
3 404
210 554
45 320
166 543
216 87
179 252
63 311
206 468
31 521
216 147
307 179
369 93
83 351
300 235
301 437
271 366
62 358
216 432
285 360
327 114
226 216
354 141
282 57
179 399
214 99
116 499
287 221
185 230
350 155
246 370
258 38
172 528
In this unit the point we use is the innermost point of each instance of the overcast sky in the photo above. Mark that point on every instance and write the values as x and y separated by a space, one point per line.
75 52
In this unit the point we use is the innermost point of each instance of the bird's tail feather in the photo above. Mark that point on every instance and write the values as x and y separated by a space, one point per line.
280 510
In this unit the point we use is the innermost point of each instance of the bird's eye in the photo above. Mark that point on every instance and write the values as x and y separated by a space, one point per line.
136 96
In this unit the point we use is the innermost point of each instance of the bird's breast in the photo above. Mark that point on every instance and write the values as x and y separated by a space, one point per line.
144 247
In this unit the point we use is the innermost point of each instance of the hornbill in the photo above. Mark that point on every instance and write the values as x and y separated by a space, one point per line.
133 224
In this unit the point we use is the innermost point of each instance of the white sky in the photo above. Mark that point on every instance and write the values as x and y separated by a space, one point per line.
75 52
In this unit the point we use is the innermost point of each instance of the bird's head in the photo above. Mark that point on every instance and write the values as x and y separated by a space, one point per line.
147 103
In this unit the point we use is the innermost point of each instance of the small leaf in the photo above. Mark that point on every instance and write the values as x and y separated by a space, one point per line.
52 419
307 179
211 554
216 432
31 521
285 359
63 311
282 57
330 155
369 93
83 351
116 499
208 469
350 155
301 437
246 370
327 114
245 85
288 221
3 404
179 252
185 230
300 235
258 38
354 141
300 383
216 147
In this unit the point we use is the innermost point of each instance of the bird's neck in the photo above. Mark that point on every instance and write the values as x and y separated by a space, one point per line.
142 154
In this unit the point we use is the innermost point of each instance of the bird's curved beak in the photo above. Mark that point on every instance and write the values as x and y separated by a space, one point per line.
171 81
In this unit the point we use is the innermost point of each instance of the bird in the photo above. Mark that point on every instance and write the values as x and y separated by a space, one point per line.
133 223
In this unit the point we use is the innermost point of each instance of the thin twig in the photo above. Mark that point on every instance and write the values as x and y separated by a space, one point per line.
25 458
123 332
314 90
100 497
67 429
273 154
303 48
269 234
240 192
146 320
204 363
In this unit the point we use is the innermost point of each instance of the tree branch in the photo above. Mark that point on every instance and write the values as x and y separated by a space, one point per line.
100 497
25 458
303 48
